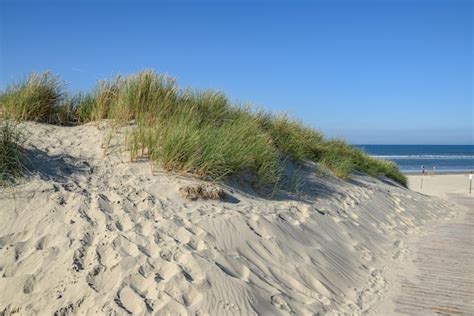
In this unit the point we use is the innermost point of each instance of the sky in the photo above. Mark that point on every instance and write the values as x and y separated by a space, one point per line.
372 72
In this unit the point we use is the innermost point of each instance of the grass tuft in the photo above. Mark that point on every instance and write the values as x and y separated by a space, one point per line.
141 94
37 98
105 97
84 107
291 137
344 159
11 154
186 143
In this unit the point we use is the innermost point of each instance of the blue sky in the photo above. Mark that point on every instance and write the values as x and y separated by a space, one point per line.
394 72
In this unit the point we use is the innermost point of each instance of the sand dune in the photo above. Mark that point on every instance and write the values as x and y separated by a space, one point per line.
91 233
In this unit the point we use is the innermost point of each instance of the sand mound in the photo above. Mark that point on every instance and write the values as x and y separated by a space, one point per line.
89 232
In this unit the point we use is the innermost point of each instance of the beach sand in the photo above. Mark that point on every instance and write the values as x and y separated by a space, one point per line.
437 276
89 232
441 185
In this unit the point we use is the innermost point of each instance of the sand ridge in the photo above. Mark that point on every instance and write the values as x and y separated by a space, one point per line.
91 232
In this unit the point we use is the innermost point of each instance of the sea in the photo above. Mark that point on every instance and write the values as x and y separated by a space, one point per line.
434 158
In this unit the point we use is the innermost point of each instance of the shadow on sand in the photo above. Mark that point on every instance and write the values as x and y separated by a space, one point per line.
55 167
298 183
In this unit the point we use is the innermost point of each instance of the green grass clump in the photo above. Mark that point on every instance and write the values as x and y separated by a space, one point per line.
84 107
291 137
11 154
209 106
105 96
344 159
35 99
213 143
200 132
145 93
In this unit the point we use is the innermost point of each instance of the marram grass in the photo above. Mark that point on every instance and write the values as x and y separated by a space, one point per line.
11 154
186 143
35 99
201 132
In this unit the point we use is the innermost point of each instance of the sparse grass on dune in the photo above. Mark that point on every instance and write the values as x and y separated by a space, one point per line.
84 107
35 99
200 132
11 155
344 159
104 97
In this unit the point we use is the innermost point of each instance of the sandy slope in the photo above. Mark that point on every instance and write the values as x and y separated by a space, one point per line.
437 276
91 232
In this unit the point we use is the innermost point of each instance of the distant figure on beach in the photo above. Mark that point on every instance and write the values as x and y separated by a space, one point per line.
434 169
423 170
470 182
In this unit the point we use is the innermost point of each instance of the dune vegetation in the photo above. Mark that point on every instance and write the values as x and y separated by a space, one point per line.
38 98
11 153
185 130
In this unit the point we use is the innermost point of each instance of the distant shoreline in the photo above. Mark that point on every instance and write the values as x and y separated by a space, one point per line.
442 185
437 173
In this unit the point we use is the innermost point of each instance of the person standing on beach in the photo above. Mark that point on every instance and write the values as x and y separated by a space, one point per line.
422 173
470 182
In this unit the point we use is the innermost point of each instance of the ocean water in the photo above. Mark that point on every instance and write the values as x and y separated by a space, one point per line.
410 158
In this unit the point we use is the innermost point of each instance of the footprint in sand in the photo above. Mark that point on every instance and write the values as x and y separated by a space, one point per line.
29 284
398 204
279 301
256 225
80 253
130 301
197 244
299 213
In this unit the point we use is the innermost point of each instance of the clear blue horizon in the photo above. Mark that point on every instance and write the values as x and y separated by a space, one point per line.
434 158
372 72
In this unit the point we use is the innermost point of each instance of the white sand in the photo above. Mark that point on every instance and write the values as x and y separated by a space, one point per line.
92 233
441 185
436 276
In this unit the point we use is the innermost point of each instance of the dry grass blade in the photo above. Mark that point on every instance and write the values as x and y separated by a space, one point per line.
205 192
